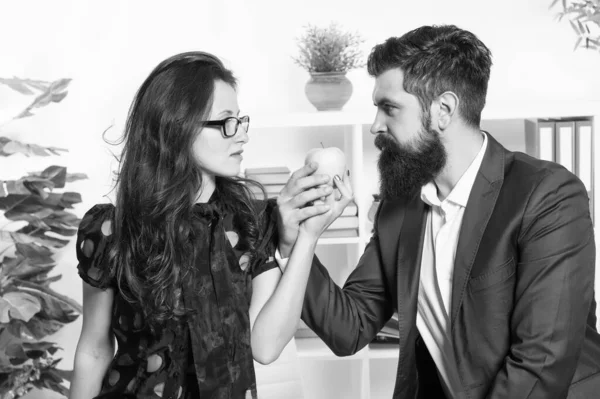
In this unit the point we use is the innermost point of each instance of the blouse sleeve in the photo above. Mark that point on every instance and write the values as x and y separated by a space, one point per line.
93 238
265 254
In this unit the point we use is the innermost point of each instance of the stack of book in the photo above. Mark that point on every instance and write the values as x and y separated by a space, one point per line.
344 226
273 179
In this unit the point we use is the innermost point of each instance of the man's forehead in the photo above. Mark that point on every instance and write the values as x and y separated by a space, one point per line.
389 84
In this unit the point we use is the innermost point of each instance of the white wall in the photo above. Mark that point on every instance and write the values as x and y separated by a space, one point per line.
109 47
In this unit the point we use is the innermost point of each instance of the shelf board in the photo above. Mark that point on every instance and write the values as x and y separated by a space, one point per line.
315 348
366 116
315 118
338 240
383 351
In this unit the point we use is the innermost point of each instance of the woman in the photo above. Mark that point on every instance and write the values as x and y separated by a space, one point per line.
181 269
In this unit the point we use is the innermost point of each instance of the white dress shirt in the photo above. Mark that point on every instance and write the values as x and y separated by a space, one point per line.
442 229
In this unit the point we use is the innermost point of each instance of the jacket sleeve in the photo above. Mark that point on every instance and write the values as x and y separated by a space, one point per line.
348 319
554 291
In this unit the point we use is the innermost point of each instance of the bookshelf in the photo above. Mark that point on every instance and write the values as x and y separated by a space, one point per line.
289 136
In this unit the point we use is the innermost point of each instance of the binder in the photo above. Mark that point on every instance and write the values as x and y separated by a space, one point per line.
565 144
540 139
584 157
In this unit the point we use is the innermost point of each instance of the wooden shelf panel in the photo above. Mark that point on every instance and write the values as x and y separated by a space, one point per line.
338 240
366 116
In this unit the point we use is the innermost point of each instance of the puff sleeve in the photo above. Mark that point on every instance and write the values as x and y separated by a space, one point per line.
93 243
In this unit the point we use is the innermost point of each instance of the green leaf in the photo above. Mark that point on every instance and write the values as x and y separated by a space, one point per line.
7 339
22 306
52 380
71 177
55 305
17 85
15 350
52 94
36 217
5 307
9 147
32 204
21 268
64 217
11 201
31 236
577 43
39 85
9 265
593 18
64 374
59 85
575 28
35 328
36 254
56 174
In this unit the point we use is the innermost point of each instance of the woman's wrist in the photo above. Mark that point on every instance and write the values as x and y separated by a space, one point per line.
309 237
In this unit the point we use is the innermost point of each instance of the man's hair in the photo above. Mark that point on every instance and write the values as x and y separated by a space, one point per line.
436 59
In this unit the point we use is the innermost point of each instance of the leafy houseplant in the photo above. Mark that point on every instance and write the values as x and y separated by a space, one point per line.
29 309
327 54
584 17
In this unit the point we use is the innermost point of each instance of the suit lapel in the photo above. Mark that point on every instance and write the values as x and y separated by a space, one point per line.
408 268
480 206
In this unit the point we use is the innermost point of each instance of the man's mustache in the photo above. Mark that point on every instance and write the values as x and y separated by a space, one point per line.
383 141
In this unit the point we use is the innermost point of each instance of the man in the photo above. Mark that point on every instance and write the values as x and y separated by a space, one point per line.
487 255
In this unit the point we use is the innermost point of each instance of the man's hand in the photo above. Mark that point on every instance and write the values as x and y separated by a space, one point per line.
295 203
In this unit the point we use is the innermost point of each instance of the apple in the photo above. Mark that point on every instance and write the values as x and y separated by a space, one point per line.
331 160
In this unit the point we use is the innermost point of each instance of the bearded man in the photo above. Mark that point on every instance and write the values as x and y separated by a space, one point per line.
487 255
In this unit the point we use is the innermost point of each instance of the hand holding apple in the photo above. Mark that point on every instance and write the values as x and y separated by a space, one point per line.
331 160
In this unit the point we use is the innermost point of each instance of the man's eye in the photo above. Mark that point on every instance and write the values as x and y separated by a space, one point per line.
388 109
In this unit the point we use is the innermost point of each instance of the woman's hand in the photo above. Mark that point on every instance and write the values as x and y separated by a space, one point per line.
296 203
315 225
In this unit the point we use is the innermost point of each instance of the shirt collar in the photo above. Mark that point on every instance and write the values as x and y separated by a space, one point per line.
461 191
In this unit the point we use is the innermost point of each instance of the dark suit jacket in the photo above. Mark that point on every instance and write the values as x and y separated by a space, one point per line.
523 310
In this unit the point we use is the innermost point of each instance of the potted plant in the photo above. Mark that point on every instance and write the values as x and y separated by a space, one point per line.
327 54
584 17
34 225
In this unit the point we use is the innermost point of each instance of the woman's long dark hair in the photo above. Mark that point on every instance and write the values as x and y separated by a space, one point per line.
159 180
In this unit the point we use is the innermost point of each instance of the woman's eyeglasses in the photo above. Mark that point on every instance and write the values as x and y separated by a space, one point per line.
230 125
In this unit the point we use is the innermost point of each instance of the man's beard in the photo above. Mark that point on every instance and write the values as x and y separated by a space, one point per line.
403 170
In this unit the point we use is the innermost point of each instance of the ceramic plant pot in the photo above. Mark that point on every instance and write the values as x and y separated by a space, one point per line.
328 91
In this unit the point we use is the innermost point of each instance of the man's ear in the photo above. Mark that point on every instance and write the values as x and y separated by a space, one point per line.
444 109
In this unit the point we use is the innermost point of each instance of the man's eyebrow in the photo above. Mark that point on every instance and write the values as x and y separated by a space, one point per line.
384 100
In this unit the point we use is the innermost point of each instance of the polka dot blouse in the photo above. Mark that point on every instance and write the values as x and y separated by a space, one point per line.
208 355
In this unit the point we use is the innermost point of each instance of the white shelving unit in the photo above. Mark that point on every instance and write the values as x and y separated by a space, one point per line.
351 125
